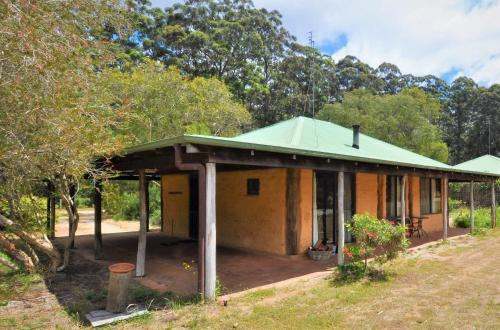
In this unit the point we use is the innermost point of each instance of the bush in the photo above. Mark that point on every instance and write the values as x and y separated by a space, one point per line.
121 201
373 236
455 204
482 217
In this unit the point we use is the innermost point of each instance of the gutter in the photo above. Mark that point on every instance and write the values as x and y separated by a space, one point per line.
200 168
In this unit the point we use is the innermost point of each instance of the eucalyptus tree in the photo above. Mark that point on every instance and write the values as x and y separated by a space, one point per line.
406 119
51 124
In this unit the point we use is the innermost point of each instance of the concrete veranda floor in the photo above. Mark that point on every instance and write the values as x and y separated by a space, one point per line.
171 262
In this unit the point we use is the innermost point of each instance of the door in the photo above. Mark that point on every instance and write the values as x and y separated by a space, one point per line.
326 222
193 206
325 206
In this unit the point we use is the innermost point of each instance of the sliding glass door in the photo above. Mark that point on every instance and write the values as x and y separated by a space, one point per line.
325 223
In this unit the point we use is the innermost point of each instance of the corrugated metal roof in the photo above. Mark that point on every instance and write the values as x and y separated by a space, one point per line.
312 137
486 163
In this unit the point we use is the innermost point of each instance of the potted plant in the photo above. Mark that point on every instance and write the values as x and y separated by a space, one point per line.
321 251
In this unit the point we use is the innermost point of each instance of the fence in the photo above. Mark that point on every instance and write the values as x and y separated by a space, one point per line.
482 193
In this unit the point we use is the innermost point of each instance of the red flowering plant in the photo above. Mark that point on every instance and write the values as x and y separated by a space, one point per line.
374 237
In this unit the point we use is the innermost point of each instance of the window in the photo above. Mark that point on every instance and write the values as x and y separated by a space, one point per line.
253 187
393 197
430 195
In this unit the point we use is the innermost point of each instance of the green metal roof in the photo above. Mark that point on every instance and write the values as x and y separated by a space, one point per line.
311 137
486 163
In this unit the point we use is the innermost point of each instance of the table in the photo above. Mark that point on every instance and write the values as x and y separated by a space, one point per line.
419 228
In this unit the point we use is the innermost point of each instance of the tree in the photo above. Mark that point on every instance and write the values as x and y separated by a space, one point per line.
51 123
484 134
457 119
163 103
354 74
406 119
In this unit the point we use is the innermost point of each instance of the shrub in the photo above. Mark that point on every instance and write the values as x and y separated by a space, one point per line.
374 236
454 204
482 217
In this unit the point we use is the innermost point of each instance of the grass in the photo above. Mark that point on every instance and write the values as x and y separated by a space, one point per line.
423 292
15 283
451 285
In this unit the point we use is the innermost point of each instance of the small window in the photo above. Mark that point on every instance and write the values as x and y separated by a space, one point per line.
430 195
253 187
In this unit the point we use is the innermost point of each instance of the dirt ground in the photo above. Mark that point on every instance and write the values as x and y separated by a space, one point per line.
86 224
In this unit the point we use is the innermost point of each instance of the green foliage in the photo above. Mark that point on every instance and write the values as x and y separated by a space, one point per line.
406 119
482 217
121 200
163 103
374 237
95 296
455 204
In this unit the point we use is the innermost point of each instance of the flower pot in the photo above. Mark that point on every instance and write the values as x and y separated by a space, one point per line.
320 255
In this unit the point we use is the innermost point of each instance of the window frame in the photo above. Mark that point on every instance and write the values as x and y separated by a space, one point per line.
433 192
253 186
393 183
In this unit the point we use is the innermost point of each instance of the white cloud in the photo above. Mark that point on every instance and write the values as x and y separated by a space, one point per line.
420 37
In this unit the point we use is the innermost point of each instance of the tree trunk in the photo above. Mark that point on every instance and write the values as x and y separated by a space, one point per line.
73 218
19 255
43 244
8 264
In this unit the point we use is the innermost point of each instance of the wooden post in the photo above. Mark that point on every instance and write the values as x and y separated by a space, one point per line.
141 248
211 235
51 210
97 220
444 197
315 212
403 201
292 208
410 197
471 206
161 204
52 232
493 205
147 204
340 207
380 196
72 192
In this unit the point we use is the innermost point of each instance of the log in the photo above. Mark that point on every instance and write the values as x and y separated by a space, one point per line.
292 210
340 207
120 276
444 197
403 201
141 247
210 233
380 196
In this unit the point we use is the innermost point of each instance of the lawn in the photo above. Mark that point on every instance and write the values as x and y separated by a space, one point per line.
445 285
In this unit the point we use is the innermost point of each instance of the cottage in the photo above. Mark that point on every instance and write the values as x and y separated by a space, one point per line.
281 188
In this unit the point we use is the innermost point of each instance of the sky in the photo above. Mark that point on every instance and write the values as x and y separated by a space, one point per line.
441 37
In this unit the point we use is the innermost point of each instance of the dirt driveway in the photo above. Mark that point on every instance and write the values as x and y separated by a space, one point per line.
86 225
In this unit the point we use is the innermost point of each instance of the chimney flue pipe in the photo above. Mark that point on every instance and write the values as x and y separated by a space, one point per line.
355 136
